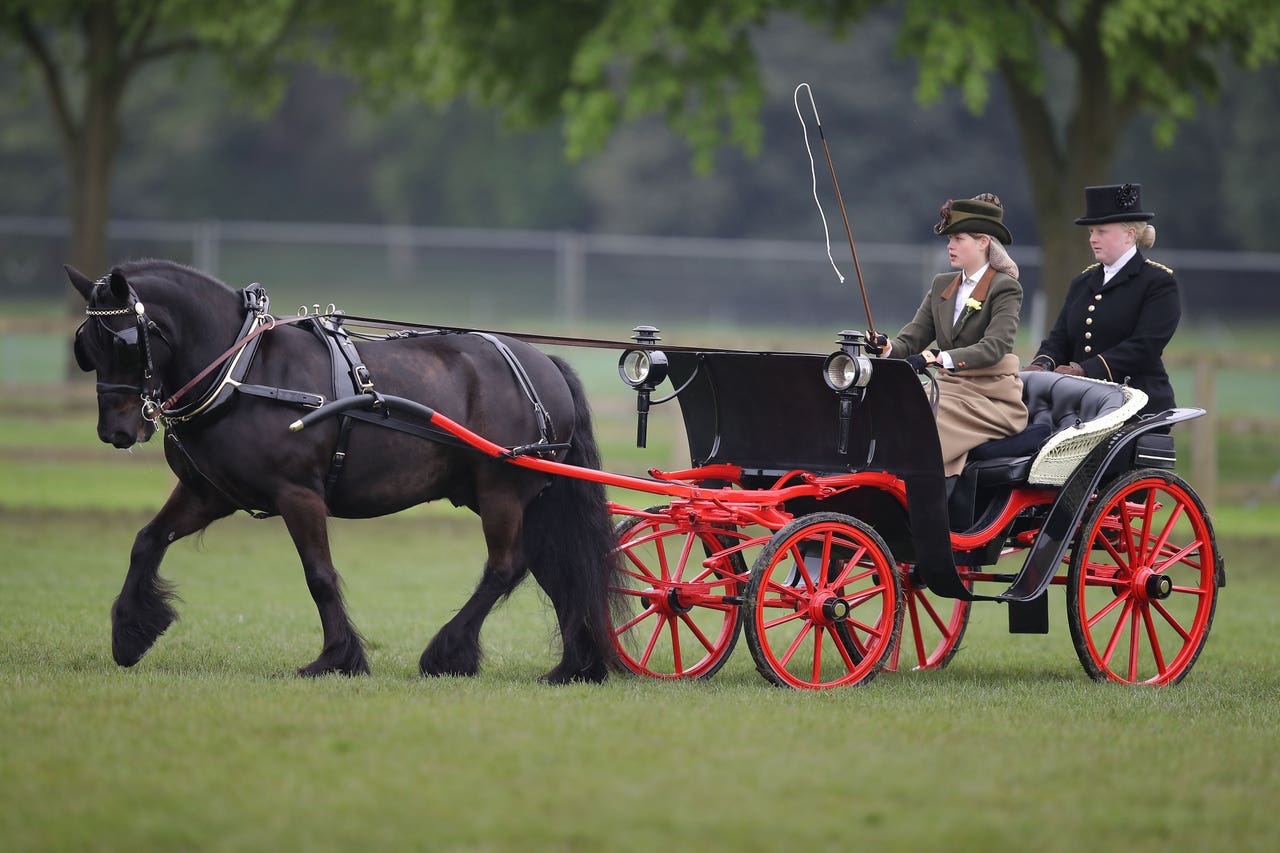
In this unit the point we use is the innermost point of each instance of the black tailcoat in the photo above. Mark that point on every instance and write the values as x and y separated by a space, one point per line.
1119 330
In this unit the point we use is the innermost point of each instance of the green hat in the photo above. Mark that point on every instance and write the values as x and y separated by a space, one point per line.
974 216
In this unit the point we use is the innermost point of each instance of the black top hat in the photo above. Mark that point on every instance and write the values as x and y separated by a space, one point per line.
974 216
1113 203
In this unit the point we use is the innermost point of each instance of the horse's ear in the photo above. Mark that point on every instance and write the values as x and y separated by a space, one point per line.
119 286
80 281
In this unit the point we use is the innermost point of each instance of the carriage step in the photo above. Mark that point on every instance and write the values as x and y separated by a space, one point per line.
1029 617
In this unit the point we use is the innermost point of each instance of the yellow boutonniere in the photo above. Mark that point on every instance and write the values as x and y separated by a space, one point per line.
971 305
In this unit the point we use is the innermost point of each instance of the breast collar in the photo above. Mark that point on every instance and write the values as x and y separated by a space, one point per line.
234 364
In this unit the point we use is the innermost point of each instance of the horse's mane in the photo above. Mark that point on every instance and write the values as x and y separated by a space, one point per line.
166 269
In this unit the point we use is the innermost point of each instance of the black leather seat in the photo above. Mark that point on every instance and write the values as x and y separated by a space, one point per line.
1054 402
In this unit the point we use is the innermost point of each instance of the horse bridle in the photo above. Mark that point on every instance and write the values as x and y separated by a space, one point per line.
130 347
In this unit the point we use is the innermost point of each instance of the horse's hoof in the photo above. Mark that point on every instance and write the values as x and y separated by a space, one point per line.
315 669
442 659
451 671
594 674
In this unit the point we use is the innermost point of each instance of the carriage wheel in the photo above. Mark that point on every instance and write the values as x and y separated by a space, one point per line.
687 602
1142 583
932 627
823 603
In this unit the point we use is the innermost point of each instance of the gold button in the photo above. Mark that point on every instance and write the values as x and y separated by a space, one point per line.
1088 321
1097 297
1088 335
1091 307
1088 349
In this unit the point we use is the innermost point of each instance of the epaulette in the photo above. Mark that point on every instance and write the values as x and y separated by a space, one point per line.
1158 266
1092 266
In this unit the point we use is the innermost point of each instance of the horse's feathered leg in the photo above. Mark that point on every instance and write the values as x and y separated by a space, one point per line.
142 611
304 514
455 650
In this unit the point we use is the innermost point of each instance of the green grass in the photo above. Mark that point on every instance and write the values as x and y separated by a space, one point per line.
210 743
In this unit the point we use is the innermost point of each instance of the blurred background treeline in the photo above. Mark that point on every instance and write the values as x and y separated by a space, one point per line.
192 149
467 210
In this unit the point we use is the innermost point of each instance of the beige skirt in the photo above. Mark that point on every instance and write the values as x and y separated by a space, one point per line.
975 406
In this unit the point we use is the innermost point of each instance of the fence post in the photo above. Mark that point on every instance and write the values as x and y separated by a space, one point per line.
206 240
1204 434
570 276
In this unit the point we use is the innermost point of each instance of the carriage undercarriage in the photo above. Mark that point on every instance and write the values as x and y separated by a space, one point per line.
824 603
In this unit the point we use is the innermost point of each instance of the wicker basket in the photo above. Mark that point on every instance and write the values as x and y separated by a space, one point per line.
1067 448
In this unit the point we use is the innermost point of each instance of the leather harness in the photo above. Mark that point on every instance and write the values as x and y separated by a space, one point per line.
350 377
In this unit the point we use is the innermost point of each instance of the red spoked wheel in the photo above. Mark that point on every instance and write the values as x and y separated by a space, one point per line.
1142 585
932 627
687 596
823 603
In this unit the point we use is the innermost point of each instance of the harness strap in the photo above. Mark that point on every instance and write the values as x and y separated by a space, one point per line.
546 429
248 340
349 382
312 401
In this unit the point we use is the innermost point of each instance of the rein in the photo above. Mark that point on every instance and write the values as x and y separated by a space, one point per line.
258 323
535 338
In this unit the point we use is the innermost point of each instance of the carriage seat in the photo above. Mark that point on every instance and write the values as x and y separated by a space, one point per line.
1067 416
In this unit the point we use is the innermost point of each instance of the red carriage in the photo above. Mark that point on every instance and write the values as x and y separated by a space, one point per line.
829 473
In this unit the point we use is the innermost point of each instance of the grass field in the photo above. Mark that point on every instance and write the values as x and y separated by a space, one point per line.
210 743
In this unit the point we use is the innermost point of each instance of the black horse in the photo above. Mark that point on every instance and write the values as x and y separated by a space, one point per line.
154 326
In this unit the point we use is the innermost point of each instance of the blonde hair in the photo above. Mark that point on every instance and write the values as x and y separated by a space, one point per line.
1144 233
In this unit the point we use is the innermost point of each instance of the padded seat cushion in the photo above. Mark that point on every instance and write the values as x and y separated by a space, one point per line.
1025 443
1004 471
1054 402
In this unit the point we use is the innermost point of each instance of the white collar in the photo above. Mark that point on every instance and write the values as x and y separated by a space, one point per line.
975 278
1109 271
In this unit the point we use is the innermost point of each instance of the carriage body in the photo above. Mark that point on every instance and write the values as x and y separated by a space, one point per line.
821 524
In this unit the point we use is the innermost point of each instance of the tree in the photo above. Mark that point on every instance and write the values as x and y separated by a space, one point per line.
600 62
1076 72
87 53
1118 58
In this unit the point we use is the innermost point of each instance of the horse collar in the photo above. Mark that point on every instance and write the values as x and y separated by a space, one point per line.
234 364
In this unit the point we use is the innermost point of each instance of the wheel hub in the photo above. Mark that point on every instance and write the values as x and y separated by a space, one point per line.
835 609
674 605
1158 587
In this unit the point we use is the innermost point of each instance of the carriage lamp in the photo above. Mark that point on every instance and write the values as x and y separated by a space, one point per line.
643 370
847 372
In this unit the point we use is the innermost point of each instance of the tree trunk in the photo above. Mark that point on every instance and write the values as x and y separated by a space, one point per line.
89 147
1060 165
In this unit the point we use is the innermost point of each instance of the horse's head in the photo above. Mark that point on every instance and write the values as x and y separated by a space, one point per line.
117 339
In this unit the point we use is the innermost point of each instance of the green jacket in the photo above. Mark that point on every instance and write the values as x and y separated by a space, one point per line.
980 338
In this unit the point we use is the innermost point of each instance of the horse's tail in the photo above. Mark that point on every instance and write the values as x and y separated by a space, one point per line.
571 549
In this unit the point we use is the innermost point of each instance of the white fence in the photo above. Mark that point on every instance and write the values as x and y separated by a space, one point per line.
561 279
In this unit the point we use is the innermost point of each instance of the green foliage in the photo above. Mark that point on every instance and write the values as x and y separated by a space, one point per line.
595 63
1158 55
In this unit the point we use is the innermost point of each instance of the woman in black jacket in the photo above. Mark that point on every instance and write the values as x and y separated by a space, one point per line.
1121 311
